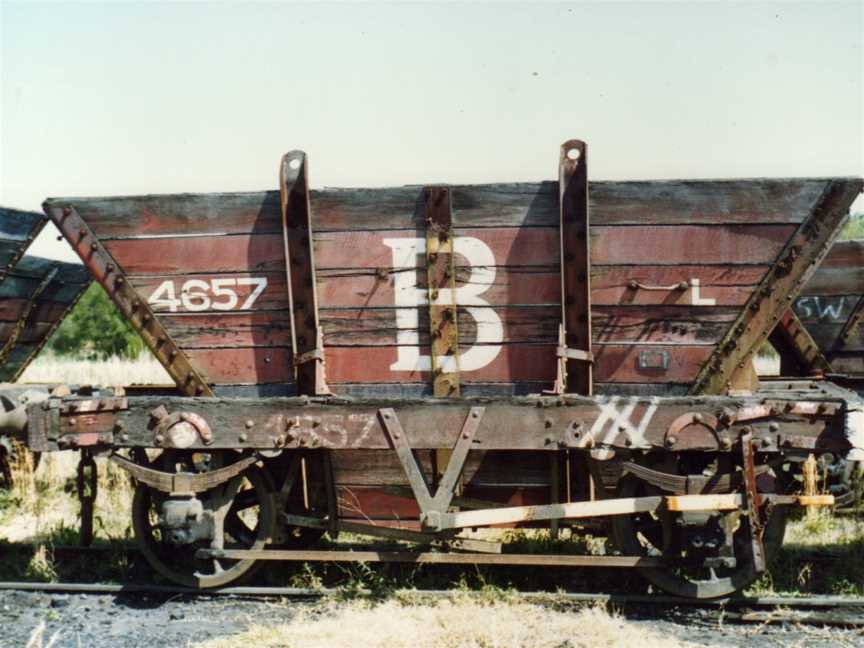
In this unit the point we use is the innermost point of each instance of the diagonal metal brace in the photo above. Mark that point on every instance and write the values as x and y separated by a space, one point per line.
754 501
428 503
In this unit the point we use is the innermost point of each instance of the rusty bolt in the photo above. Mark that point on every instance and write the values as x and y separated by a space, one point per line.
82 232
109 267
159 439
119 281
72 421
773 426
725 443
145 318
671 441
765 442
94 247
66 211
199 389
249 423
697 418
124 437
279 441
172 354
242 437
474 414
547 422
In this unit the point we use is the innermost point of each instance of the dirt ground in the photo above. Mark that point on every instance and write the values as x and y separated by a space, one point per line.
147 620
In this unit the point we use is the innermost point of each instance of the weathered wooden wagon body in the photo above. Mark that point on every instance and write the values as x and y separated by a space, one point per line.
829 310
418 361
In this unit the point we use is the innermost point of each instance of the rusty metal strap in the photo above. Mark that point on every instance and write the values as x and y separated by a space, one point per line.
183 482
574 354
308 356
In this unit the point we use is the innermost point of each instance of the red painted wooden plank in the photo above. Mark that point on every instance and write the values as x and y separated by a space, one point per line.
273 297
200 254
244 366
213 330
727 285
11 310
32 333
521 363
656 245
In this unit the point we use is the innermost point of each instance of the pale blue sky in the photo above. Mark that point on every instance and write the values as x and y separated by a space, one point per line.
124 98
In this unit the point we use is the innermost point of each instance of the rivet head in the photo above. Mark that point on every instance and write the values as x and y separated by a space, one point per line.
697 418
72 421
119 281
250 423
66 211
671 440
242 437
159 439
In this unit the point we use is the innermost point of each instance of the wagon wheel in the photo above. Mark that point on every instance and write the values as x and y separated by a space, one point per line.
247 524
659 534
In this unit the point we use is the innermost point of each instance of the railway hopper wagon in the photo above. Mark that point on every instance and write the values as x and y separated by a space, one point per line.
417 362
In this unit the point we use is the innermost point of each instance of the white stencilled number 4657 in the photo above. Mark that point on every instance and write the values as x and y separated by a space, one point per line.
200 295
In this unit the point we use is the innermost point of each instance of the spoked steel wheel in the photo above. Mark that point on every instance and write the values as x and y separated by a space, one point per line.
244 519
693 543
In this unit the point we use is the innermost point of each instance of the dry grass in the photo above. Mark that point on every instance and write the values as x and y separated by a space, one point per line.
43 502
455 623
48 368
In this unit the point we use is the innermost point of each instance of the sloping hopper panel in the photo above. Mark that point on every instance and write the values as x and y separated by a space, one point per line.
32 306
828 301
725 234
17 230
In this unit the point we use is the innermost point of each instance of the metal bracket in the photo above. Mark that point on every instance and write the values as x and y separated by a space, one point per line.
849 328
431 507
441 282
134 309
575 373
754 501
300 269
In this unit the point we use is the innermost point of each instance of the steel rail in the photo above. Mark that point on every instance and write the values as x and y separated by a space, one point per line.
576 597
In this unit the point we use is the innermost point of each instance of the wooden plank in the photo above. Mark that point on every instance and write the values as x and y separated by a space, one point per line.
11 310
215 330
637 245
727 285
492 205
530 324
245 365
515 363
274 296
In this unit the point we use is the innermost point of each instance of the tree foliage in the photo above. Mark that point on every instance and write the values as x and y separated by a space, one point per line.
94 330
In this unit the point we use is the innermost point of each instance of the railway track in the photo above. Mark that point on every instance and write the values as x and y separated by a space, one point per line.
815 610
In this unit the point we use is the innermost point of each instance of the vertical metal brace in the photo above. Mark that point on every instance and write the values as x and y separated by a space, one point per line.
441 279
431 506
306 335
574 352
135 310
751 495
